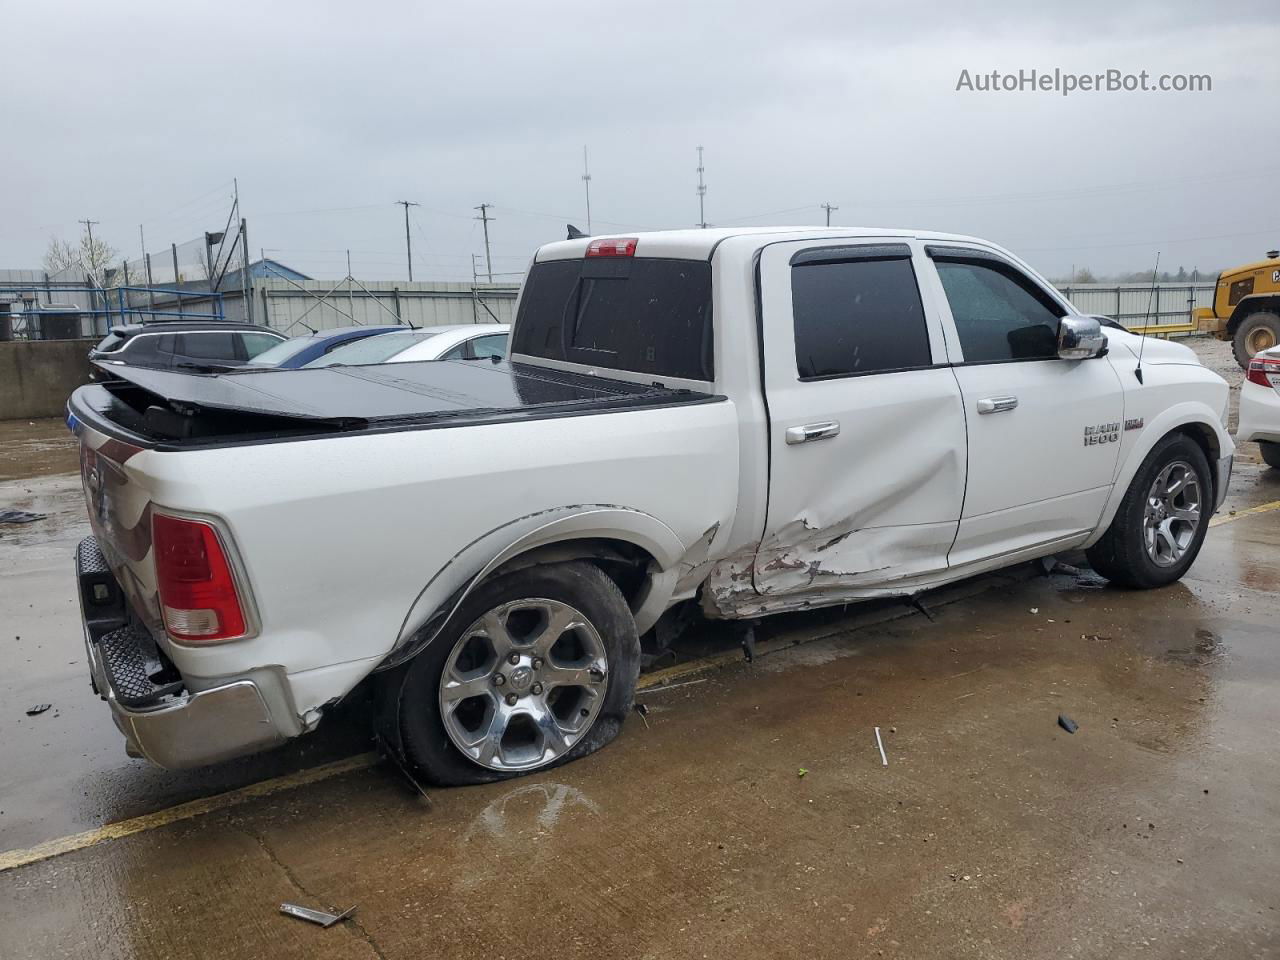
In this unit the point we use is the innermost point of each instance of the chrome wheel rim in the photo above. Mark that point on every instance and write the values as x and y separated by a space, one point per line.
523 684
1172 515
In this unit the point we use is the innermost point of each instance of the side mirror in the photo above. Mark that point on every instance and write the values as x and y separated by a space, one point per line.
1080 338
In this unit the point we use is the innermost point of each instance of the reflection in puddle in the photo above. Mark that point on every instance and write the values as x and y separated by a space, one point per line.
538 805
1207 648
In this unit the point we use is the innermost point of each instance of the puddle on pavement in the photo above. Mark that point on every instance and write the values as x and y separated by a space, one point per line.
36 448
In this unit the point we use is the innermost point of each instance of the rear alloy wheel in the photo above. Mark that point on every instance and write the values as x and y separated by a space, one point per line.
523 684
1160 524
1256 332
542 671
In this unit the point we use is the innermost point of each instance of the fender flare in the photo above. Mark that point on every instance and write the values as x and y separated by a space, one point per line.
450 586
1188 413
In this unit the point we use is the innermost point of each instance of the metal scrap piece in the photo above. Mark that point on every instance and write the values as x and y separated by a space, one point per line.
325 920
20 516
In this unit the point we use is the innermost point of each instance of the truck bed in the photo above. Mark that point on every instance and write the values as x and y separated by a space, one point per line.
161 409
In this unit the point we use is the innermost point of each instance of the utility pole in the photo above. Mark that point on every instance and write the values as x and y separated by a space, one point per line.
586 186
485 218
146 260
88 226
408 247
246 280
246 288
828 207
702 193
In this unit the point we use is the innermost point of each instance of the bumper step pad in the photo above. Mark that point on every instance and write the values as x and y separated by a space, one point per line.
130 669
137 672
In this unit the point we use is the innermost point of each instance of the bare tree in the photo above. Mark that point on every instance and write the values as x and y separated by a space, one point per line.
94 258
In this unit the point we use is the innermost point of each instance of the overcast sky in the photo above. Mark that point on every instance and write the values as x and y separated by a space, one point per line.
327 113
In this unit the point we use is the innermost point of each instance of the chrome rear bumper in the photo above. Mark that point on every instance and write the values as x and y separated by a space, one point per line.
161 720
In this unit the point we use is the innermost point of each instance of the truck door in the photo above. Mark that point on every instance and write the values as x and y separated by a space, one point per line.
866 434
1043 432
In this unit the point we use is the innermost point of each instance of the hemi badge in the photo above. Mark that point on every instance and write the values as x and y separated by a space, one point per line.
1133 424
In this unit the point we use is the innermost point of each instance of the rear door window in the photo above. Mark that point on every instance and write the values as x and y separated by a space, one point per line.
641 314
209 346
857 310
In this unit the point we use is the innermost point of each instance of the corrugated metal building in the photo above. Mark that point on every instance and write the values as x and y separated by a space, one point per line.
291 302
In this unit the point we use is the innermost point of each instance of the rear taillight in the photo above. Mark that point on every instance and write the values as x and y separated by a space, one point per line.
1259 367
612 247
198 594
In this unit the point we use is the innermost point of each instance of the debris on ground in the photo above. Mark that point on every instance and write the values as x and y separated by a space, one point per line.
19 516
884 761
643 710
1035 609
320 917
801 772
1067 724
390 753
38 709
916 602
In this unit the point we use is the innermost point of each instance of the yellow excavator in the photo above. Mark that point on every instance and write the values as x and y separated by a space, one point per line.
1246 308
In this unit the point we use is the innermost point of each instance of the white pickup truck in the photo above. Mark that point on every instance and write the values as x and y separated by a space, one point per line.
753 421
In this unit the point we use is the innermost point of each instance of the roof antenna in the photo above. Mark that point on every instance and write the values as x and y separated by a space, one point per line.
1154 276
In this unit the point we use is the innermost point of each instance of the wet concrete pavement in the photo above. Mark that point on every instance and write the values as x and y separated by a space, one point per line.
1152 831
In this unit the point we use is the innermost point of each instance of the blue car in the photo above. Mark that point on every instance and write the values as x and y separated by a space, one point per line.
299 351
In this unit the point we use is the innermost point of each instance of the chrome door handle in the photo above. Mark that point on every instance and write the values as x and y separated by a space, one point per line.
813 431
997 404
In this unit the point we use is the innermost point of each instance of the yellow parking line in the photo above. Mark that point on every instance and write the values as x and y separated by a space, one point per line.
1261 508
220 801
183 811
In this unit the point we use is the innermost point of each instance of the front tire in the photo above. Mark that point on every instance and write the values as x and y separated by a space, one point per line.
537 668
1270 453
1160 525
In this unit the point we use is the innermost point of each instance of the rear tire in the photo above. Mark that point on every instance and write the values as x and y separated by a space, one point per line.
1152 539
1257 331
1270 453
571 685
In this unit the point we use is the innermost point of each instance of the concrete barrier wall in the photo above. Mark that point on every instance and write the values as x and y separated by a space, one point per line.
37 376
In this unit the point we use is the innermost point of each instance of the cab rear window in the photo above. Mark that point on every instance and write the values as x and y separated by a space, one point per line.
640 314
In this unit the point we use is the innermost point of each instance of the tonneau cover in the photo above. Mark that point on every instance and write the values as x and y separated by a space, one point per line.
386 392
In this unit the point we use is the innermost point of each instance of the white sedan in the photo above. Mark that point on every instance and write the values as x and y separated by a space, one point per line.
470 341
1260 405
